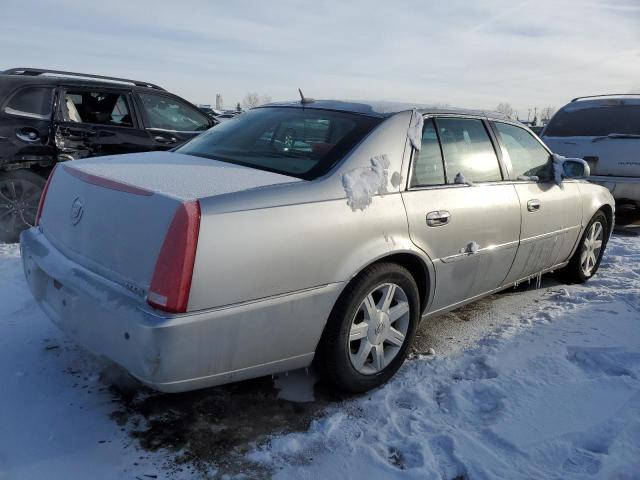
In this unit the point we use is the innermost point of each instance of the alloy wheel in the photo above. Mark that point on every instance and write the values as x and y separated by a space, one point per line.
18 205
591 247
379 328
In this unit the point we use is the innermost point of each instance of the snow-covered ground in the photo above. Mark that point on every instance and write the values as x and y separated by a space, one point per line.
527 384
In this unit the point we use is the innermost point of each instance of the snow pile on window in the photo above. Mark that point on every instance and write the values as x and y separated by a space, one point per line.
415 129
461 180
361 184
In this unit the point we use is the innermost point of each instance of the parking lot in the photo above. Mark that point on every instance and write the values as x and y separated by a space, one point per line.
70 413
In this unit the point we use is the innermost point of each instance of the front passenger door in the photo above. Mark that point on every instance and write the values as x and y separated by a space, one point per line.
170 122
551 214
469 230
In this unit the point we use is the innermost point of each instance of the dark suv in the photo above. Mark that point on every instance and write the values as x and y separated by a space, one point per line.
48 116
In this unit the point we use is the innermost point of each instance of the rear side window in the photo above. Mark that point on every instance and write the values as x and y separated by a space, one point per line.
428 168
528 157
102 108
577 120
166 113
468 150
34 102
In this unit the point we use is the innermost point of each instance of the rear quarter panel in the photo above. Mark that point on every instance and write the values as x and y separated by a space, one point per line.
268 242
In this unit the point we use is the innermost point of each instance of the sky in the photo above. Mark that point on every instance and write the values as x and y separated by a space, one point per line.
461 53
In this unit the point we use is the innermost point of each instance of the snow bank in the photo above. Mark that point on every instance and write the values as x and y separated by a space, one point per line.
361 184
559 400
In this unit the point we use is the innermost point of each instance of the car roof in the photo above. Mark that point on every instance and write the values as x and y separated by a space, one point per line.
11 81
603 101
383 109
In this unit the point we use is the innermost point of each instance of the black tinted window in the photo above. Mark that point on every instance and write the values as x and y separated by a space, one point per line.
170 114
304 143
105 108
427 163
528 157
468 150
576 120
32 102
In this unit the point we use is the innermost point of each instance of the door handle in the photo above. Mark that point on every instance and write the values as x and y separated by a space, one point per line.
533 205
165 140
438 218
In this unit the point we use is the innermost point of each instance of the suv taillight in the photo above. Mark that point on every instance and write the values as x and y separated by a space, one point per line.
171 281
44 194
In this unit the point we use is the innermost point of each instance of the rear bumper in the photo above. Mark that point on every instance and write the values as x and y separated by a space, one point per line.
174 353
627 188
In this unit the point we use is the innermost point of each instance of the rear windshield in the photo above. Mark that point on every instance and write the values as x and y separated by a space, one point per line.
303 143
602 120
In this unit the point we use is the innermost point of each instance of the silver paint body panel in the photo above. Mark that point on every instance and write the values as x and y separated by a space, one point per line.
271 261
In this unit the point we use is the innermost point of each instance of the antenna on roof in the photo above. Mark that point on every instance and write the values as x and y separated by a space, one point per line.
303 99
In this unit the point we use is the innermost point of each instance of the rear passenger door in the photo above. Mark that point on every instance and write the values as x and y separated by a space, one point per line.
469 230
551 214
98 121
25 125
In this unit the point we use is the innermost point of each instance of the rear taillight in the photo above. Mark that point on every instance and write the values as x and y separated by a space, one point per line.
44 194
171 281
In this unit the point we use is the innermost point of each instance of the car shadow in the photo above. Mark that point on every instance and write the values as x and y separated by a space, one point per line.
218 426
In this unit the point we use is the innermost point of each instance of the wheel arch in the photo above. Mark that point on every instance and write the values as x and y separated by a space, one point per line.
420 269
608 212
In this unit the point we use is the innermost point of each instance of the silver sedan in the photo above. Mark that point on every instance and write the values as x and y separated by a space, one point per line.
304 232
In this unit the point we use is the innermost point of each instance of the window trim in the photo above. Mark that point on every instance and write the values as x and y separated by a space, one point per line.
33 116
506 158
125 93
504 173
145 118
415 152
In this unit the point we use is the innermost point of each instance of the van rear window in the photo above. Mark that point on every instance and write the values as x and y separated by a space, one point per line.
601 120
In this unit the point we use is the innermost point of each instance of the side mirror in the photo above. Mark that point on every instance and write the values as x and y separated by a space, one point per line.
569 168
575 168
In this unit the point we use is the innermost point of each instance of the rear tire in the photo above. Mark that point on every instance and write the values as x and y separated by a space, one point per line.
370 329
587 257
20 192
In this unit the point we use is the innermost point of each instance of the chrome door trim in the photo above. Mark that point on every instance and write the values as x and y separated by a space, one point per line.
482 251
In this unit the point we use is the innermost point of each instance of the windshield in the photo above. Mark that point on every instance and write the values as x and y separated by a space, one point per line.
299 142
596 121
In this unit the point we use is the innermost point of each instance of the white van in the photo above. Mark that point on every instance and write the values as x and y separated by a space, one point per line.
604 130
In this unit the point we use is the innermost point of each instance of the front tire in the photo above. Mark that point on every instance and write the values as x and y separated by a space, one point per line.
20 192
587 257
370 329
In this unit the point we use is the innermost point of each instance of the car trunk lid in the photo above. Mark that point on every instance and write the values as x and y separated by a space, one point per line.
112 214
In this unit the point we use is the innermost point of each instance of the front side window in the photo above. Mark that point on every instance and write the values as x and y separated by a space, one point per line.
301 142
428 168
102 108
610 117
528 157
166 113
468 150
33 102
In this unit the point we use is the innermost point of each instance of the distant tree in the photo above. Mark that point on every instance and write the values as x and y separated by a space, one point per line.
238 107
252 100
505 108
547 113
